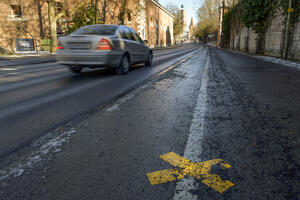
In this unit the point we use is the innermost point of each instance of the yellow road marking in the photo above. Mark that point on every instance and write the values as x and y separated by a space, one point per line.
186 168
173 66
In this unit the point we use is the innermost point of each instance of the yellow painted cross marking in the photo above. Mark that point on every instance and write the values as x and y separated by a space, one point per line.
184 168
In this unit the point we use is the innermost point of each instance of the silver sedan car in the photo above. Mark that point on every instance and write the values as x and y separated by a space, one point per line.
93 46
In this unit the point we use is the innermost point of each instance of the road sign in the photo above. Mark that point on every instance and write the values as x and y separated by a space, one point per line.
186 168
290 10
24 44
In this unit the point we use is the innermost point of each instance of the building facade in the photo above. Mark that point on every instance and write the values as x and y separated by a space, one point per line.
24 25
183 16
191 30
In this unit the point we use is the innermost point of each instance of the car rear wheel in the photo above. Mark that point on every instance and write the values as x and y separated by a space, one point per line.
148 63
75 70
123 66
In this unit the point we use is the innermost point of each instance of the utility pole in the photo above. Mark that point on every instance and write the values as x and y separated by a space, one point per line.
96 12
287 31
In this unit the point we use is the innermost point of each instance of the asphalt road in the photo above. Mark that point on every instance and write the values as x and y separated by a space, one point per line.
101 136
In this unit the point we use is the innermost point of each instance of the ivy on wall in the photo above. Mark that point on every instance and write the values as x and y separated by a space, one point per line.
231 21
258 14
227 21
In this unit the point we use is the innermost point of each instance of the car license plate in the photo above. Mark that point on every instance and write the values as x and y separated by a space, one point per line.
79 45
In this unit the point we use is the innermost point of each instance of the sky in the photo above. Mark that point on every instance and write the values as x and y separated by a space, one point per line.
190 6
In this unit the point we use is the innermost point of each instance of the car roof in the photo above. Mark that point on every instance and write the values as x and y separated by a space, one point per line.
118 27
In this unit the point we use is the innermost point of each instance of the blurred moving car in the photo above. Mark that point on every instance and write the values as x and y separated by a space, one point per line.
93 46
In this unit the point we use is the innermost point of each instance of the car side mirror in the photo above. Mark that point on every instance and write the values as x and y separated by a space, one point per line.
145 41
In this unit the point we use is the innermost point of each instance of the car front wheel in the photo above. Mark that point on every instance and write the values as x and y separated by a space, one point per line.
124 65
148 63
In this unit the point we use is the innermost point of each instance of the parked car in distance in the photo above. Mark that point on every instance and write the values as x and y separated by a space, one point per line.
94 46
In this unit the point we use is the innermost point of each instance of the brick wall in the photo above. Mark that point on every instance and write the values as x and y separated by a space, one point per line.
153 22
29 26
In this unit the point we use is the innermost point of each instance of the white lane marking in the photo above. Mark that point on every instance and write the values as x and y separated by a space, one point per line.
28 71
53 145
8 69
26 80
45 100
116 106
193 148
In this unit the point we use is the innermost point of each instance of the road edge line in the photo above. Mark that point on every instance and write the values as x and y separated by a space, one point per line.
193 150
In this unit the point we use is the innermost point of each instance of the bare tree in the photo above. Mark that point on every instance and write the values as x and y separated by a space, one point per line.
54 16
178 20
208 19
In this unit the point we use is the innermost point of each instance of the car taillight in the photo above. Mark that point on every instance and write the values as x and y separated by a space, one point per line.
104 44
59 46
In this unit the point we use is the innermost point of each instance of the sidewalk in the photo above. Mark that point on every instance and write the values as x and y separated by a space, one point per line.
288 62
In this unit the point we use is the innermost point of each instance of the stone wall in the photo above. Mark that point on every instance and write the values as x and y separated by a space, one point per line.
295 46
244 39
274 36
252 41
244 36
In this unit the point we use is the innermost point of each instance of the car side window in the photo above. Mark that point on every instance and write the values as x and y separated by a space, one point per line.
127 34
122 33
136 37
130 34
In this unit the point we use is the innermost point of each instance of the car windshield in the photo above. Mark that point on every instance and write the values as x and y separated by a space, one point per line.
95 30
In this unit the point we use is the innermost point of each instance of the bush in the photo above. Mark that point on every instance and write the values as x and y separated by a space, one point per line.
4 51
45 45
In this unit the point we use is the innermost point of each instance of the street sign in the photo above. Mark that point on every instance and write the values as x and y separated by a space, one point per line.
290 10
186 168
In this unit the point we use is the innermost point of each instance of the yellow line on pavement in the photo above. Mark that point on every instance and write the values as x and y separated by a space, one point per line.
173 66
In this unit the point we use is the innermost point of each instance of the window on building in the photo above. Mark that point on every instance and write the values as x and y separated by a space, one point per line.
59 7
16 10
129 17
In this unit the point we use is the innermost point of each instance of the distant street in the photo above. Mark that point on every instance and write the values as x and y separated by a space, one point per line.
201 123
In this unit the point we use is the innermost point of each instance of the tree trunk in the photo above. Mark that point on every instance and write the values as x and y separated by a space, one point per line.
96 11
104 11
260 43
52 23
39 7
123 12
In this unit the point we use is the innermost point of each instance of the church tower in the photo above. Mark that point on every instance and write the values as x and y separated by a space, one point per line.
191 30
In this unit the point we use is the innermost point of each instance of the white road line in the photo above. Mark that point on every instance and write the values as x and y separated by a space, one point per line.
115 107
45 100
33 70
193 148
26 81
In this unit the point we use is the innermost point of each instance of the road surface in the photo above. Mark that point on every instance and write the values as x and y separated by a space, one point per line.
202 123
